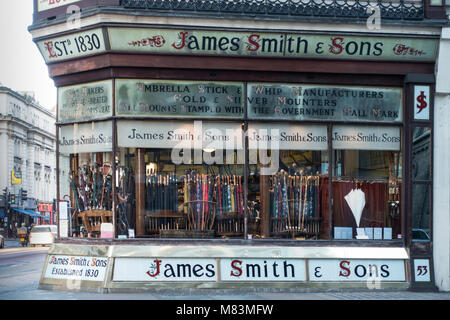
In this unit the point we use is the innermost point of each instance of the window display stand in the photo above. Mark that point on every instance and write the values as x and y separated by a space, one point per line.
198 221
230 224
295 226
92 219
163 220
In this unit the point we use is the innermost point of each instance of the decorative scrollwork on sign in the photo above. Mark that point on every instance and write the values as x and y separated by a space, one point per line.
155 41
393 9
403 50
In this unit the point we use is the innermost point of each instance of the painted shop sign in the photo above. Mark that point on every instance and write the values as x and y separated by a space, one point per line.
72 46
76 267
366 138
252 43
261 136
421 102
165 269
179 135
257 269
356 270
179 99
88 101
283 136
50 4
85 137
262 270
422 270
316 102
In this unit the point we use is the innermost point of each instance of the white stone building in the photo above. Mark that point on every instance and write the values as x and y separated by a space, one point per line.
27 144
441 200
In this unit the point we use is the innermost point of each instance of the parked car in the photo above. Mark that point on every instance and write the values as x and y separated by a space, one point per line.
43 235
420 234
2 242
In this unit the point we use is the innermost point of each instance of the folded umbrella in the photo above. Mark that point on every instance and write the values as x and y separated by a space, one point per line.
356 200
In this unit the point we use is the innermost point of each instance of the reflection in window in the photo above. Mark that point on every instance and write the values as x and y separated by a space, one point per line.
290 201
421 153
206 200
126 191
421 212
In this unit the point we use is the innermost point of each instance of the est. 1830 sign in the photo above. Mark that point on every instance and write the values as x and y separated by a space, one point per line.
76 268
72 46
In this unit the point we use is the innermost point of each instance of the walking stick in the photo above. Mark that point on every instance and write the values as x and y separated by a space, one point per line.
75 192
105 171
228 194
95 186
233 193
219 187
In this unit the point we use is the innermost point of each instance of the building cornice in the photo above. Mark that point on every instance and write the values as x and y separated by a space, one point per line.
25 101
103 16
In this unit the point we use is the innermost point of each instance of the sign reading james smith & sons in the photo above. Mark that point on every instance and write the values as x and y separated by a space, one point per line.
254 43
316 102
179 99
88 101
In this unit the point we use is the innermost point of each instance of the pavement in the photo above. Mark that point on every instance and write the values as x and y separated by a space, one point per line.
12 243
15 244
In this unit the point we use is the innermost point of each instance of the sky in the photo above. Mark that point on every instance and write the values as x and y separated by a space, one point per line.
22 67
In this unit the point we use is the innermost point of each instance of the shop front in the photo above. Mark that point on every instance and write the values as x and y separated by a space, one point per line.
229 159
46 211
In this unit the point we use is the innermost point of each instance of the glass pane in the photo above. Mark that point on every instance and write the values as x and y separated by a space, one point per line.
188 178
126 191
288 195
421 154
421 218
65 174
436 2
366 194
193 199
86 178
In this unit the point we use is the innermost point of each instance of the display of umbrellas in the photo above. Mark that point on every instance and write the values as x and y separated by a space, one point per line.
356 200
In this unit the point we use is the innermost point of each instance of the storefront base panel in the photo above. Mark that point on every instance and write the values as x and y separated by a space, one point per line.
105 267
255 287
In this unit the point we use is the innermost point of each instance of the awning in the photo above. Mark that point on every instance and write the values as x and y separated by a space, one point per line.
31 213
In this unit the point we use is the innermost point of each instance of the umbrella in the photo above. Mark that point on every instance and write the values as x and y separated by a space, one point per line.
356 200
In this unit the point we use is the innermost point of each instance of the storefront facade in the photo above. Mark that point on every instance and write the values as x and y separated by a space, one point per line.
235 152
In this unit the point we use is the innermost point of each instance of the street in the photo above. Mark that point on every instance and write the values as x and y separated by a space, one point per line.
20 271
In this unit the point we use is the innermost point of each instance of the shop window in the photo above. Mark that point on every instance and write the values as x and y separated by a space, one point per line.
204 198
85 177
421 154
126 191
421 213
421 188
189 178
287 181
366 186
